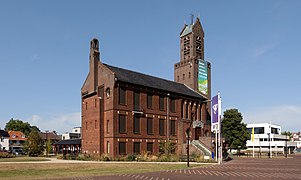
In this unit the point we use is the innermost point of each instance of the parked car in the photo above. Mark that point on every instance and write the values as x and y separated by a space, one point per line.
18 152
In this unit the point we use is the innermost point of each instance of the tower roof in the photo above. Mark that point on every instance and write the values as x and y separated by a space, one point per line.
189 28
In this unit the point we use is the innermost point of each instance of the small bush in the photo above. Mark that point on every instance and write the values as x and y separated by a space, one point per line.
105 157
131 157
6 155
168 158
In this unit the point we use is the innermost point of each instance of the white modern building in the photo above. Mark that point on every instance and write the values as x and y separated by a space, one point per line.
268 138
4 140
75 134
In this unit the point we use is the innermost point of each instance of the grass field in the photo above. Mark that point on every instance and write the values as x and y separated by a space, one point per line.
23 159
64 170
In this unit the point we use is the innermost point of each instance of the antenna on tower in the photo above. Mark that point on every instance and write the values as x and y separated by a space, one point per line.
192 16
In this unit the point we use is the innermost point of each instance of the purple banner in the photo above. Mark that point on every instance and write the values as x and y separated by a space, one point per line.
214 110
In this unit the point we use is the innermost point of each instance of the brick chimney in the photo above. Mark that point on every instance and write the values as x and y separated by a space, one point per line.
94 59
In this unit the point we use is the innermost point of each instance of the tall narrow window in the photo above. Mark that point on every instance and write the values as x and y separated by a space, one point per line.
136 124
178 78
161 103
182 110
161 127
149 147
108 126
149 101
122 123
122 96
108 147
122 148
86 105
136 101
136 147
183 76
172 127
186 110
172 105
189 75
86 125
150 126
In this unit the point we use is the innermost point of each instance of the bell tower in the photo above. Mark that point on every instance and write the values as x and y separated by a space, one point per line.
192 70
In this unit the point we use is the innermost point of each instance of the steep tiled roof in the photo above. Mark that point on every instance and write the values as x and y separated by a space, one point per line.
49 135
16 135
153 82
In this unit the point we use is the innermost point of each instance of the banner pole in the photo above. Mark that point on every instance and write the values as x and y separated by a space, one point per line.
216 144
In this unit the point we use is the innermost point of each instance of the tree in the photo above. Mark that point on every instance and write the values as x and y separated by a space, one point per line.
167 147
34 145
18 125
48 146
234 130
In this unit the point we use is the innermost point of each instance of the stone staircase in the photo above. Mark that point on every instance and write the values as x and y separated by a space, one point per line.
201 147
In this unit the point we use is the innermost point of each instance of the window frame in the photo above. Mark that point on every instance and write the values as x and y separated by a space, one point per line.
150 130
161 103
122 130
122 91
136 125
119 148
172 127
135 146
152 147
172 105
136 100
162 127
149 101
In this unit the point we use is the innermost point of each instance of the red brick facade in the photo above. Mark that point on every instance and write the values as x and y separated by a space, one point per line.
102 111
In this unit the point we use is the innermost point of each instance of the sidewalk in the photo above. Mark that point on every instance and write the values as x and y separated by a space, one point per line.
55 160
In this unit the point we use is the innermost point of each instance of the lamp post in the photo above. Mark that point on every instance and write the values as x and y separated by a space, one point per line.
269 145
286 145
187 148
46 143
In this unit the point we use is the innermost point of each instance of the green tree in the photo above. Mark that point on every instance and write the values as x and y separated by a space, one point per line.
167 147
48 146
34 145
234 130
18 125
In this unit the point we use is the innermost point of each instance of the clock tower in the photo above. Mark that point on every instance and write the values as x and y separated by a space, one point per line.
192 69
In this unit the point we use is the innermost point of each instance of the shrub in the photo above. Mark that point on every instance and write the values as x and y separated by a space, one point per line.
6 155
105 157
131 157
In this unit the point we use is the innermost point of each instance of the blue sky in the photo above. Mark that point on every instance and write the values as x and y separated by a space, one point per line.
253 46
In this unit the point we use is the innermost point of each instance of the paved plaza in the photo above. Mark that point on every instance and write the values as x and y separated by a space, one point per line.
239 168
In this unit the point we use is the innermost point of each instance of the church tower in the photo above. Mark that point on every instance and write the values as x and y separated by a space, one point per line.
192 69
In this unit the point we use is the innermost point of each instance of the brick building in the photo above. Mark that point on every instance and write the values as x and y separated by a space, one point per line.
125 112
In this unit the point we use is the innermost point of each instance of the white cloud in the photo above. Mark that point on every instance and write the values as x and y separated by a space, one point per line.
287 116
263 49
61 122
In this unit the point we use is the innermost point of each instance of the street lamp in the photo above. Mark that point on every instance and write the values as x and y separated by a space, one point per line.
286 145
269 145
46 143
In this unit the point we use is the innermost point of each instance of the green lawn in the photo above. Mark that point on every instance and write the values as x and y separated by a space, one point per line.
63 170
23 159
